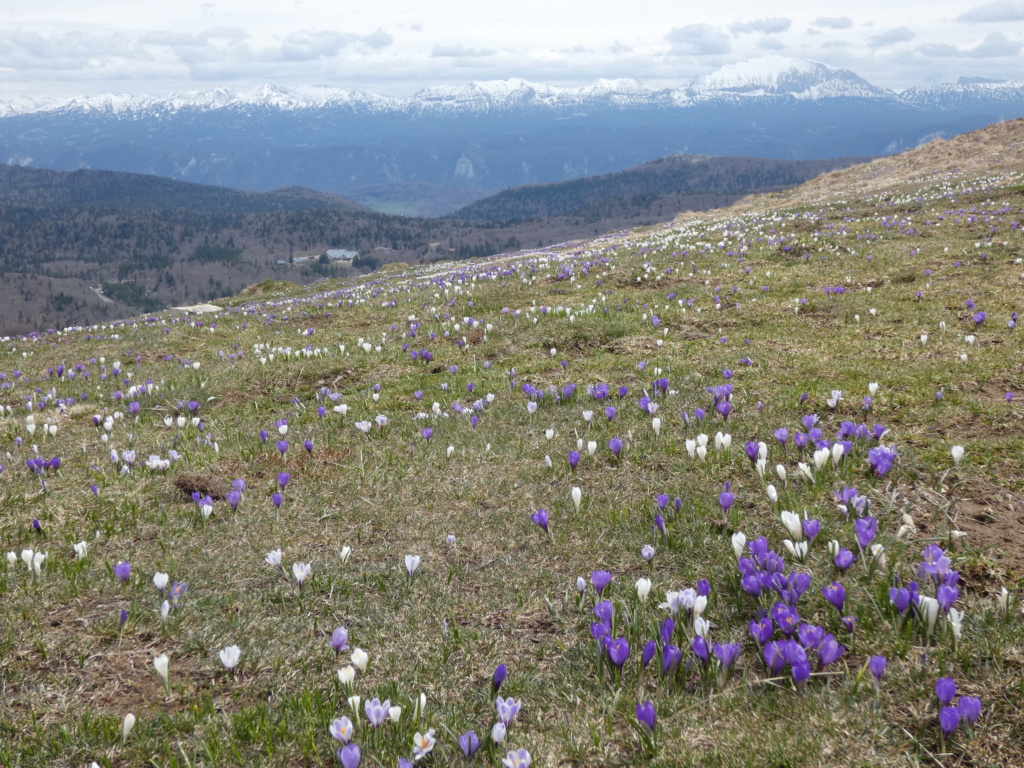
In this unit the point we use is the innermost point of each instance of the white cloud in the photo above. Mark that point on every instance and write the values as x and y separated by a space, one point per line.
698 40
458 51
769 26
1006 10
833 22
892 37
995 45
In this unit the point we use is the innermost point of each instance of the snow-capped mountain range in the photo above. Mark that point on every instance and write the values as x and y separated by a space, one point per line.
508 131
769 77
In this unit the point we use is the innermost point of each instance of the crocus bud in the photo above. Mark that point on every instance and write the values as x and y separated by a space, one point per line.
126 727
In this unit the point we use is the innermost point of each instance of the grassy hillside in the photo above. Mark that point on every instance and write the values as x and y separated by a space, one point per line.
527 465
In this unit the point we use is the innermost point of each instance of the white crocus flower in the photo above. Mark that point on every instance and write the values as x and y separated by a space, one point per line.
739 544
643 589
360 659
126 727
229 656
577 497
820 458
797 549
957 452
929 608
162 666
793 525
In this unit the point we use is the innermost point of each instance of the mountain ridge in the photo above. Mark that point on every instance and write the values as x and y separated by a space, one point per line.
763 77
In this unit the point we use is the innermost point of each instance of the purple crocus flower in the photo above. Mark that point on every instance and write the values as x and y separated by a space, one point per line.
726 498
282 479
308 445
508 709
761 630
829 652
574 459
665 630
782 435
774 658
376 712
610 412
233 498
263 435
277 499
865 529
428 433
844 559
969 708
500 673
618 651
811 528
659 523
339 640
282 446
469 742
645 715
540 517
835 593
877 666
881 460
945 689
946 595
605 611
949 719
615 446
670 657
700 649
726 653
900 598
800 671
178 589
349 756
724 408
600 580
123 571
649 651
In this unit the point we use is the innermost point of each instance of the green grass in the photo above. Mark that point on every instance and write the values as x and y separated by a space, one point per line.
505 592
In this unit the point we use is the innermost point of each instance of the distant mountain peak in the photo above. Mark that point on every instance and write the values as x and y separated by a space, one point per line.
768 76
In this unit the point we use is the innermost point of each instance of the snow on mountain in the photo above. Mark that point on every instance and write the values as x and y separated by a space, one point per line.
764 79
775 76
965 94
222 98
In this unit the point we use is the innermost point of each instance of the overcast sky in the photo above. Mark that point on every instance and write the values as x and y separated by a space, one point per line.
61 48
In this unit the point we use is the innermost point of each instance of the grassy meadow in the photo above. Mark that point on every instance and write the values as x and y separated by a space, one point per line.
420 419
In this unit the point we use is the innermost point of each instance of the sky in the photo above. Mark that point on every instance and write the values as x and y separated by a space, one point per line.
56 49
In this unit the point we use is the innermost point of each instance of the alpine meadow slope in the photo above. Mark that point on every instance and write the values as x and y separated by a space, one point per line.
740 489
